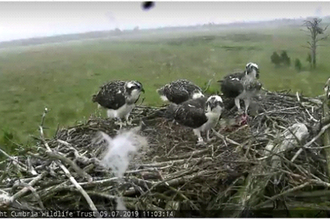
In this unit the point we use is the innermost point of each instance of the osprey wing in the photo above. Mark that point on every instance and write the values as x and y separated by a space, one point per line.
176 93
198 103
191 87
188 85
231 85
191 113
111 95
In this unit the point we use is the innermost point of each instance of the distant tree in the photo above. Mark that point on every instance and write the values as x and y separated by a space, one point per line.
297 64
117 31
309 59
275 58
136 28
314 32
285 59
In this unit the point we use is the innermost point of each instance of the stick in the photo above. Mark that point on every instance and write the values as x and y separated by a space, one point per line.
34 192
282 194
79 188
18 163
173 162
225 138
194 153
66 171
28 187
79 171
111 197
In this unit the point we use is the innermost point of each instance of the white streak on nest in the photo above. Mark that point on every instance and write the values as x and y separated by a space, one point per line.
120 204
120 151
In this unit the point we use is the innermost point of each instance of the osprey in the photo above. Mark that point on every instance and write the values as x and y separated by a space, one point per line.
242 85
179 91
201 114
119 98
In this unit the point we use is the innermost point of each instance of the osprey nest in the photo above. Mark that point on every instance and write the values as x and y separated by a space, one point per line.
274 165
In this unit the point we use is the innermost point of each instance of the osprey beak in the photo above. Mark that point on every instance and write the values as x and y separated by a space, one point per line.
142 90
213 105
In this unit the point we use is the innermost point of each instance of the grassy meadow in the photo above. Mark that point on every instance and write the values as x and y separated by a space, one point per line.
63 76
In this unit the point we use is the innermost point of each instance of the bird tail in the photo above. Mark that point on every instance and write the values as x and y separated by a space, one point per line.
220 81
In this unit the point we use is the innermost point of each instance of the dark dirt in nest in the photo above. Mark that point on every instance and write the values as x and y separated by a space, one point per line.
174 173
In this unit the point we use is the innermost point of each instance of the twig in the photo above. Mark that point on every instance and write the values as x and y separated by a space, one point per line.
192 154
177 181
279 110
28 187
34 192
173 162
225 138
99 182
79 171
147 169
181 194
111 197
17 162
207 85
282 194
66 171
79 188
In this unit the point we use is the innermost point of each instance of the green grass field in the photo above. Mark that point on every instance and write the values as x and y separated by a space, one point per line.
63 77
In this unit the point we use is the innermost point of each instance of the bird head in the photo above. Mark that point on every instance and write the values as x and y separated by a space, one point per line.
214 104
197 94
252 69
134 86
133 90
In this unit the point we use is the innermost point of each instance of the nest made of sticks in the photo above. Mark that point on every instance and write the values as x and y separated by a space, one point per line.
230 176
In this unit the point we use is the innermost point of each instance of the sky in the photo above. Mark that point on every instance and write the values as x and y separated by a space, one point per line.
35 19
